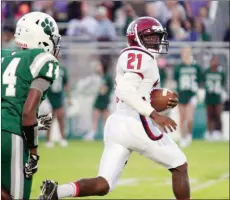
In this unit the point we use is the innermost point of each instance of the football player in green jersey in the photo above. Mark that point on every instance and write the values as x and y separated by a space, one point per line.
56 98
188 76
214 80
27 73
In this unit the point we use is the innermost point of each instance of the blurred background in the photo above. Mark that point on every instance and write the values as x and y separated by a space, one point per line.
93 35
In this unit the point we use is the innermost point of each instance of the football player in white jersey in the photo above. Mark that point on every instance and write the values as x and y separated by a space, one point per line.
135 125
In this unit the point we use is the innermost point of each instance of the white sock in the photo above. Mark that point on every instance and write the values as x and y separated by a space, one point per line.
67 190
92 133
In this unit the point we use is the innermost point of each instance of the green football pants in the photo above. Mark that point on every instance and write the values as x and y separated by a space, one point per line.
14 155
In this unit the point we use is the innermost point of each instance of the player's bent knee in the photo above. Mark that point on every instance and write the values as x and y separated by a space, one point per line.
181 168
103 187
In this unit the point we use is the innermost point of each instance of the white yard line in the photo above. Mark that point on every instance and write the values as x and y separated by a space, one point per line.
210 183
166 181
156 181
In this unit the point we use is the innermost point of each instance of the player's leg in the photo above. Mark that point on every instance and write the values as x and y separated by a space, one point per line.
182 114
112 162
13 160
6 148
166 152
49 143
95 121
209 110
217 109
105 114
60 113
190 114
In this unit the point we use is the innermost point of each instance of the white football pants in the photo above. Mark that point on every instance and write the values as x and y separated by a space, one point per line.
125 131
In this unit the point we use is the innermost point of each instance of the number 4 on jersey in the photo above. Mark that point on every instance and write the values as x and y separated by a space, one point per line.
134 61
9 77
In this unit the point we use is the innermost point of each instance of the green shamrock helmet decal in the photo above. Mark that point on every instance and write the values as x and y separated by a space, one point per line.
48 26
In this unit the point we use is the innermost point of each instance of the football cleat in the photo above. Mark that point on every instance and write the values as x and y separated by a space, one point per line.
48 190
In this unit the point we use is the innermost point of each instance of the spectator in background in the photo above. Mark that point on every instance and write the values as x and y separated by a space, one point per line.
193 7
130 15
46 7
201 31
188 76
8 38
214 79
204 18
105 30
112 7
74 10
23 9
61 10
174 26
101 103
163 10
191 33
83 25
138 6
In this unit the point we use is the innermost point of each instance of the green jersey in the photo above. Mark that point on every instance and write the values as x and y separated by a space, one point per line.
19 69
102 100
56 91
214 85
188 79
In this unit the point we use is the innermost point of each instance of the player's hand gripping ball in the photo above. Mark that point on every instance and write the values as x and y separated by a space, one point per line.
163 99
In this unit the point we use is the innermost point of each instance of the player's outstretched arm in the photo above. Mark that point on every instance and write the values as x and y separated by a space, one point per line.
30 125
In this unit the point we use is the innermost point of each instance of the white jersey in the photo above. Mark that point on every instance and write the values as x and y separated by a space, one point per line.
136 75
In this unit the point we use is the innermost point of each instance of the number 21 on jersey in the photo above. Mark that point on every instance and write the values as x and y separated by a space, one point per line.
134 61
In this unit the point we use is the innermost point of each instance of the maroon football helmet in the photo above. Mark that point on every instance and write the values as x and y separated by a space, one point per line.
148 33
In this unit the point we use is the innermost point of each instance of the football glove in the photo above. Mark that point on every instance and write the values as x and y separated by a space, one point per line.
44 122
31 166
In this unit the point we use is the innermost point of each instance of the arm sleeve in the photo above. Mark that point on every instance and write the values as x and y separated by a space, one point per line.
126 91
40 84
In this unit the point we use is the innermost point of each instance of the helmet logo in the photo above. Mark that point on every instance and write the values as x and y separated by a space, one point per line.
47 26
22 45
156 27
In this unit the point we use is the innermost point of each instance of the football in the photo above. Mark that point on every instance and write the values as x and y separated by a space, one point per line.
160 97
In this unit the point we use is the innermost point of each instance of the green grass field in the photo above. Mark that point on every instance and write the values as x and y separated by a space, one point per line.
208 170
